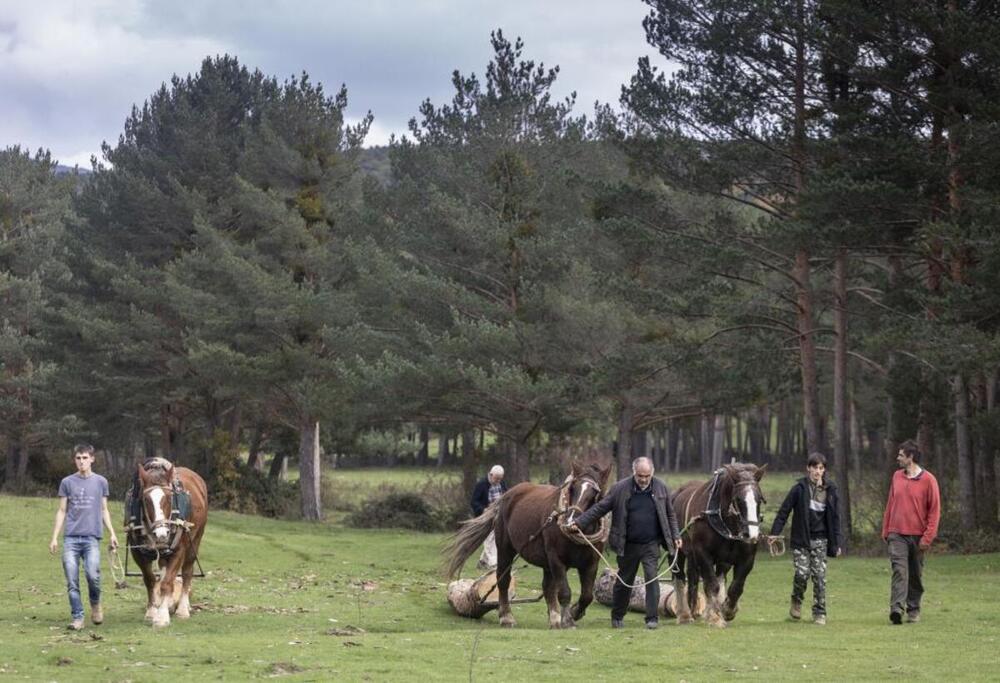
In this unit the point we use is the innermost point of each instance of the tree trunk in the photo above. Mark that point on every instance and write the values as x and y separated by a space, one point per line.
842 430
423 453
990 491
856 432
254 459
705 442
520 465
966 488
309 470
470 462
623 456
279 467
718 441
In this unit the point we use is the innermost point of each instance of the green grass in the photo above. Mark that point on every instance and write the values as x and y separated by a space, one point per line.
275 589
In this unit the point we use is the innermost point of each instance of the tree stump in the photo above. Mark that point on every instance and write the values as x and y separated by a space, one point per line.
475 597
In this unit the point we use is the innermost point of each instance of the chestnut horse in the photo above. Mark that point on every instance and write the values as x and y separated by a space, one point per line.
527 521
721 519
168 538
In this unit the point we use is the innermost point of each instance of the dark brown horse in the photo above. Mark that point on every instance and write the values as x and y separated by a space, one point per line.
527 522
722 520
168 540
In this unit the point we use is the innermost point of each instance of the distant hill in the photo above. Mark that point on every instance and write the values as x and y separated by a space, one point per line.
60 169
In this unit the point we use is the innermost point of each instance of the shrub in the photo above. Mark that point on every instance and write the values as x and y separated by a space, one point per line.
395 509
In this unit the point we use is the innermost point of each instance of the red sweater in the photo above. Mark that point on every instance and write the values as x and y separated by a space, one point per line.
914 507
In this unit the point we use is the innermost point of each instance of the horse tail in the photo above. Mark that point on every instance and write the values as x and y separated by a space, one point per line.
470 535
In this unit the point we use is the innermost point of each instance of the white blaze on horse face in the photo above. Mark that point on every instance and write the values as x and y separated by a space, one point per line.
752 522
156 498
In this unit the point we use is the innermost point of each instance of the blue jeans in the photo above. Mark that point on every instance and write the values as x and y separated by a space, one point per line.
87 548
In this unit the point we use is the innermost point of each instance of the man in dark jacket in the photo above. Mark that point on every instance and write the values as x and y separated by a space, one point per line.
643 520
487 490
813 504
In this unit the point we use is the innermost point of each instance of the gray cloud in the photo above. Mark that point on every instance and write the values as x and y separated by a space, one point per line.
70 71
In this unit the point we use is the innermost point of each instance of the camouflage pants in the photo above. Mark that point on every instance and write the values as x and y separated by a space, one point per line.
810 564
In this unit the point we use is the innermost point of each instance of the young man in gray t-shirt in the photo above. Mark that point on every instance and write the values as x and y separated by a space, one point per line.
83 506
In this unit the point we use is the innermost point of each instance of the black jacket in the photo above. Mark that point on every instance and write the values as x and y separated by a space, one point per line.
797 502
617 501
481 495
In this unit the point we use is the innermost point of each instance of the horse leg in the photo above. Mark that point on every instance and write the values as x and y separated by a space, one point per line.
564 594
681 590
165 595
740 573
713 615
588 575
505 561
149 578
183 609
550 591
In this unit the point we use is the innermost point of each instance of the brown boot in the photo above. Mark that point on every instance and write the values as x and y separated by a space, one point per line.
96 614
795 611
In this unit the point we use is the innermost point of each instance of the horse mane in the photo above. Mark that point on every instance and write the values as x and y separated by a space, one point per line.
158 469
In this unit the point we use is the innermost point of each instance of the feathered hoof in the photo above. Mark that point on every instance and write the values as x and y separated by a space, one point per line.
687 619
716 622
507 622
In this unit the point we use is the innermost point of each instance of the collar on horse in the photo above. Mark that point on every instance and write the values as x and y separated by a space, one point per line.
141 531
565 506
713 513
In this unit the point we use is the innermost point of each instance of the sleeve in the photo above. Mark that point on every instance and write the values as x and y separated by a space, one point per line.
786 507
675 530
596 511
64 489
477 506
888 509
105 490
834 541
933 512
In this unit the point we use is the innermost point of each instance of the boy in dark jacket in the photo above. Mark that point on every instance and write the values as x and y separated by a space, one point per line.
813 503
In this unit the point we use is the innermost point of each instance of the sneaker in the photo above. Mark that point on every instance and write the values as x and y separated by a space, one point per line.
617 623
76 625
96 615
795 611
820 620
896 618
652 624
912 617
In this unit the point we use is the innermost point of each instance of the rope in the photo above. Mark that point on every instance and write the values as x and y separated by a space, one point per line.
631 586
778 541
117 569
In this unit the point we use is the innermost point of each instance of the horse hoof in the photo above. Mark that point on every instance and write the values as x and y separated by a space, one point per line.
569 623
507 622
685 620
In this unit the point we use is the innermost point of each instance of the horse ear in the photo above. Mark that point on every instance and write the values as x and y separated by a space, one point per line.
606 472
575 468
141 472
760 471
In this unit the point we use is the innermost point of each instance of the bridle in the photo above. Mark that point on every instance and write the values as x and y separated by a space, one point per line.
733 512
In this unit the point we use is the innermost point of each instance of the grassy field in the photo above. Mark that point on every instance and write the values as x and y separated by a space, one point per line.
321 602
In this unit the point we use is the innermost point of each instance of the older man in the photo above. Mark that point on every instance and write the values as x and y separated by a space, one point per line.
643 520
487 490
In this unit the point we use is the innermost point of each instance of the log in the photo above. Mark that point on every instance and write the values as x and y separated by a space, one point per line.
475 597
604 587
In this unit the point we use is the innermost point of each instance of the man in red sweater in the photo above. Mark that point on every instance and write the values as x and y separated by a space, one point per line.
909 526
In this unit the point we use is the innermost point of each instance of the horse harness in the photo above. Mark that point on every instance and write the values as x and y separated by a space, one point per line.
142 530
713 514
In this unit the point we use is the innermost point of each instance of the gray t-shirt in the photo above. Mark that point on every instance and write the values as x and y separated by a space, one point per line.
83 504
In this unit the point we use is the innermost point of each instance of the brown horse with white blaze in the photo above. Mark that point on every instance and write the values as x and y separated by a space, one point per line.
169 544
527 521
721 519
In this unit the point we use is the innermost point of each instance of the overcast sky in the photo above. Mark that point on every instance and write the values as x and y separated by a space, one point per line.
71 71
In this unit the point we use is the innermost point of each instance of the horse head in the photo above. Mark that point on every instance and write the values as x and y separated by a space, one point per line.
586 486
741 488
156 500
